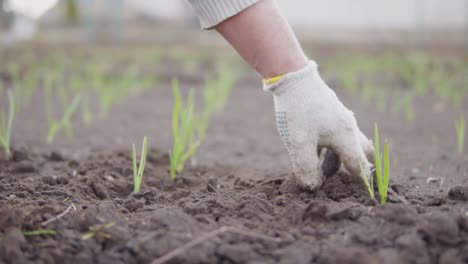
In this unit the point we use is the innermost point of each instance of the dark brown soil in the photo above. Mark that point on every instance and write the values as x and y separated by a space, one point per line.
236 202
272 222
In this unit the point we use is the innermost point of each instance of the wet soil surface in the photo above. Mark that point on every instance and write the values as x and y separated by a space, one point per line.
236 202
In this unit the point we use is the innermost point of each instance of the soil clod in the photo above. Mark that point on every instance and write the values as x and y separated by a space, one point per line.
458 193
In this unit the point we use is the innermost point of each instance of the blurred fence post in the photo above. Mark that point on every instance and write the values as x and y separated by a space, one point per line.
465 16
103 19
5 16
419 21
72 14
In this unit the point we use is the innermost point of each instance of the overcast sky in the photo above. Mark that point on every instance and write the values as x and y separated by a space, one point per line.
31 8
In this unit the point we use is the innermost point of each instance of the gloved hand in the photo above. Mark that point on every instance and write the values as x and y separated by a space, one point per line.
310 116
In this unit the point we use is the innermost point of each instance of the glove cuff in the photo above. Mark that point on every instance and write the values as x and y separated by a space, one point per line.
288 80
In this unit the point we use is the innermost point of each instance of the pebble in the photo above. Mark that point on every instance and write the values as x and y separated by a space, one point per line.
458 193
24 167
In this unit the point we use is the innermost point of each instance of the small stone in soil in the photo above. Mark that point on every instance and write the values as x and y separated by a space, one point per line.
458 193
19 156
24 167
54 180
99 190
212 184
133 204
315 212
56 156
347 213
437 201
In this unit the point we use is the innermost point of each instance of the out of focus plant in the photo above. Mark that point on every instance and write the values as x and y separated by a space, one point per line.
39 232
187 126
98 231
382 174
14 71
183 131
111 88
460 129
140 168
65 122
6 125
378 76
86 113
72 14
215 94
26 87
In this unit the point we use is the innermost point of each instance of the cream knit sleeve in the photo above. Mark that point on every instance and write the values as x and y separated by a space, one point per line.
212 12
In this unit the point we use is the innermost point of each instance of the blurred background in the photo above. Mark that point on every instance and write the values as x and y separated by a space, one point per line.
397 22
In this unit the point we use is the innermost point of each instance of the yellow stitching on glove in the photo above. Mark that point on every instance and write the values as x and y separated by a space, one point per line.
272 80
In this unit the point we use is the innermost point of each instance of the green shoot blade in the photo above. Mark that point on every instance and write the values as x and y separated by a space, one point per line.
369 188
53 128
378 168
39 232
191 151
6 126
138 172
109 225
65 121
142 159
386 176
87 236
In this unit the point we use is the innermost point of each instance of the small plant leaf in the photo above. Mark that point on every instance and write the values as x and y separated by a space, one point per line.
364 177
141 169
386 175
39 232
138 172
377 157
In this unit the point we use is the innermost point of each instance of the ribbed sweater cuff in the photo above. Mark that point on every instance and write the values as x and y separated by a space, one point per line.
212 12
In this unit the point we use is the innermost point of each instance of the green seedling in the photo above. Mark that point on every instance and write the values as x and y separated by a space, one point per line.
138 170
86 113
368 91
6 125
39 232
98 231
381 100
183 131
405 104
215 94
14 71
382 174
111 88
460 128
349 79
24 88
368 183
65 122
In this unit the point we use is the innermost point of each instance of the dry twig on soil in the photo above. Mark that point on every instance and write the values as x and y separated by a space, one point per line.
62 214
224 229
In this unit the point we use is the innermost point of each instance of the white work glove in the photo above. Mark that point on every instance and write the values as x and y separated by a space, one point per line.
310 116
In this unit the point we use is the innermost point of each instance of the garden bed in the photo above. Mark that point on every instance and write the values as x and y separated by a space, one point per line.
235 202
